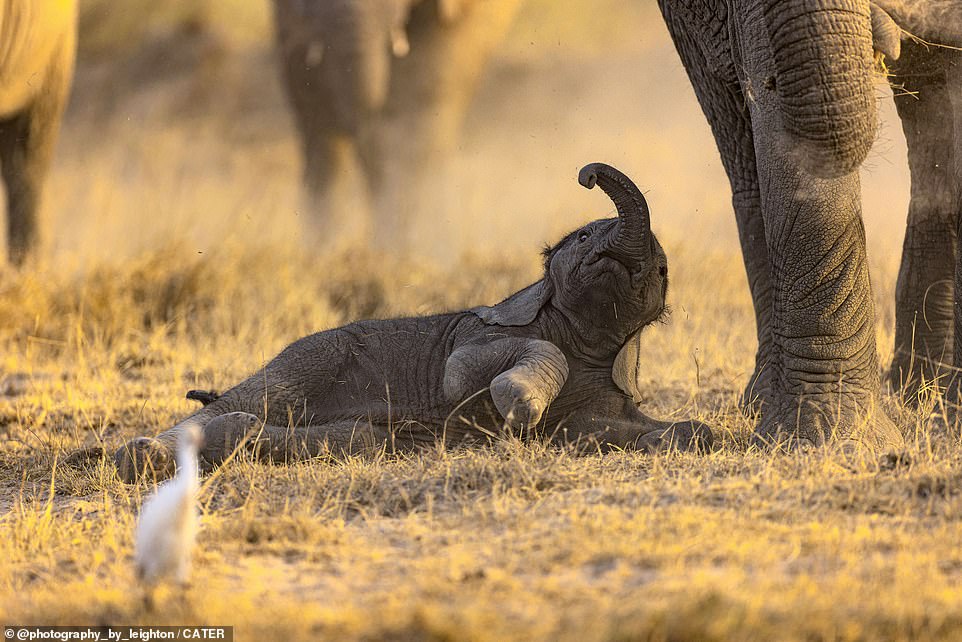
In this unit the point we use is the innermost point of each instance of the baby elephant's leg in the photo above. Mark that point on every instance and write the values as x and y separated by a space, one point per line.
524 376
235 431
226 433
645 434
144 457
155 456
285 445
278 444
683 436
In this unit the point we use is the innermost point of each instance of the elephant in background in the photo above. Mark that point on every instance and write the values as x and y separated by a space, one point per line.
787 88
927 85
386 84
37 52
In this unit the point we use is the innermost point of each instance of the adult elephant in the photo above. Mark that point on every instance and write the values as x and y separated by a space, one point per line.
37 51
787 87
928 96
387 82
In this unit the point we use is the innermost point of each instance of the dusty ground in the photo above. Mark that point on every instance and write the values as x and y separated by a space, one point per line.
174 263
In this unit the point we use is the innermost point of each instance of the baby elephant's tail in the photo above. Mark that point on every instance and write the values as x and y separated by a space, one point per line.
203 396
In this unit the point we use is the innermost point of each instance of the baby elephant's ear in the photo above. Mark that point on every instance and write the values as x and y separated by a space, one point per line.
624 372
520 308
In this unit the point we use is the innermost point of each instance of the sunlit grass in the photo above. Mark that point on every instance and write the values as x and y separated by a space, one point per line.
518 540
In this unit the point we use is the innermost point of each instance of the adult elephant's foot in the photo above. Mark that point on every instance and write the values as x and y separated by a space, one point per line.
851 421
144 457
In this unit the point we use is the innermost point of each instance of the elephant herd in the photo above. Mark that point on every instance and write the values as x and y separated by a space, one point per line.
787 86
388 82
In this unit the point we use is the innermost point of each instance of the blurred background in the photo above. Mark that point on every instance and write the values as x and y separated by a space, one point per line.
178 131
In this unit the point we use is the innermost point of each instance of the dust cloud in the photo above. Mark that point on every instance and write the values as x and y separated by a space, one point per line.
178 131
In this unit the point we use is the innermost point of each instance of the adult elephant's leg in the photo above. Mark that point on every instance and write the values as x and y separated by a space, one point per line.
954 85
707 57
751 233
23 179
823 324
27 143
429 94
813 116
924 291
331 212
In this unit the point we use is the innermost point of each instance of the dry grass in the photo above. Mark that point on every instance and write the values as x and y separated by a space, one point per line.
517 541
175 263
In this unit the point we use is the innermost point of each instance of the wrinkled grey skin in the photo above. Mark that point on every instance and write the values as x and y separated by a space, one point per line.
37 51
927 86
787 88
542 362
387 82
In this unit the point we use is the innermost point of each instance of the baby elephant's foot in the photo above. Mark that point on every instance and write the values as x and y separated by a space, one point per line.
224 433
144 457
685 436
517 399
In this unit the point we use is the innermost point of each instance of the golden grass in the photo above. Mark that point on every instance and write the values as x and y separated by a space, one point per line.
175 264
518 541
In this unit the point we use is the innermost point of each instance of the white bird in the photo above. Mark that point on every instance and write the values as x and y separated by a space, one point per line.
168 520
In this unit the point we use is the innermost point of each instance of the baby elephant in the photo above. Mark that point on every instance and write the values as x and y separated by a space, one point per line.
541 362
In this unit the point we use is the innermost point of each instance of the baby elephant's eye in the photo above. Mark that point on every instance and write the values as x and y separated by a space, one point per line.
583 237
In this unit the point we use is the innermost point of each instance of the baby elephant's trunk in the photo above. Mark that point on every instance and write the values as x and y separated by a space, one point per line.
632 243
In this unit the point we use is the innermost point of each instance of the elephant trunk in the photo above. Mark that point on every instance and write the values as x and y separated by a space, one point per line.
358 63
631 243
823 61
